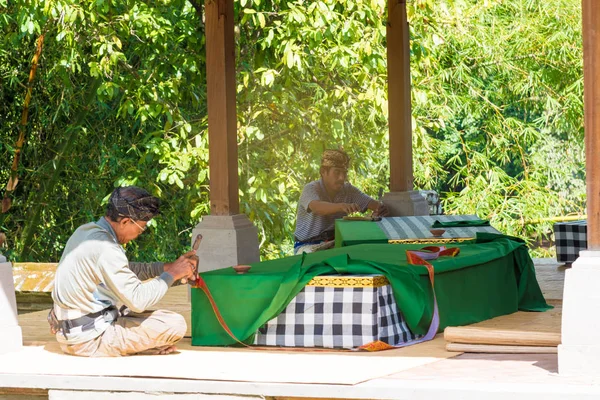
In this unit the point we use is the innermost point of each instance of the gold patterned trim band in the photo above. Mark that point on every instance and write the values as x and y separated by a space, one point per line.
349 281
430 240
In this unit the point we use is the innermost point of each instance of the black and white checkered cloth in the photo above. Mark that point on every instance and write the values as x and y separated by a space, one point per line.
417 227
334 317
570 238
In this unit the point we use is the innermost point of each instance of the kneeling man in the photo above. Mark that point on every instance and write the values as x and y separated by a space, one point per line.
94 278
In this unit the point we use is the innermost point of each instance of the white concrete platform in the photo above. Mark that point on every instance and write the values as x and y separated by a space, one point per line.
464 376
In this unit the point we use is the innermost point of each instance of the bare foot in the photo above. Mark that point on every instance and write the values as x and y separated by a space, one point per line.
168 350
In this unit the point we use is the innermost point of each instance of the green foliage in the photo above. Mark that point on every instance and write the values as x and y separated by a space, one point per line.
497 111
144 122
498 104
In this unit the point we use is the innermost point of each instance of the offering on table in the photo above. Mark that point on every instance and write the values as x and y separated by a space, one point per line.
357 216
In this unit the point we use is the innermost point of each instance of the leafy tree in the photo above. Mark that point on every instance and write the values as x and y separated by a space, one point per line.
119 98
498 103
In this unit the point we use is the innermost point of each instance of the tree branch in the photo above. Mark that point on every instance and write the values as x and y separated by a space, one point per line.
198 7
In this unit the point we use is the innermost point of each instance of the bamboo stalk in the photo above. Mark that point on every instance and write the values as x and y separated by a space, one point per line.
491 336
487 348
14 178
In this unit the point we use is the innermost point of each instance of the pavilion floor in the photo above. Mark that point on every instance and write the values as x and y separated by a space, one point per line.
417 372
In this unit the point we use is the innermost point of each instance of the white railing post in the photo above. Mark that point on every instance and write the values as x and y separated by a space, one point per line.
11 338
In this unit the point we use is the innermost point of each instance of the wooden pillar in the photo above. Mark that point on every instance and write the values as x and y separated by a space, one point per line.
591 77
222 119
229 238
399 108
401 200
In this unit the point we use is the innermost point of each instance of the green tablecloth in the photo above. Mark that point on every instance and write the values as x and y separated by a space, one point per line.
409 228
491 277
350 233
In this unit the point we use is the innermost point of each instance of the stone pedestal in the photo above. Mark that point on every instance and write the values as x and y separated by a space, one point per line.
579 353
405 203
10 331
226 241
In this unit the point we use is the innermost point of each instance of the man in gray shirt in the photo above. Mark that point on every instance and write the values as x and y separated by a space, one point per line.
94 278
325 200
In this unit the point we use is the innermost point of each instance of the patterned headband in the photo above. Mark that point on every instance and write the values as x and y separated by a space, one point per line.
335 158
142 209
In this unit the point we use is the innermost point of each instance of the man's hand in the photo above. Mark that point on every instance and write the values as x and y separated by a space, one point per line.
381 211
183 267
53 322
349 208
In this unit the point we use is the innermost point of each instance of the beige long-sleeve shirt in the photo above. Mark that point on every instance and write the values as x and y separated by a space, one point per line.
94 273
